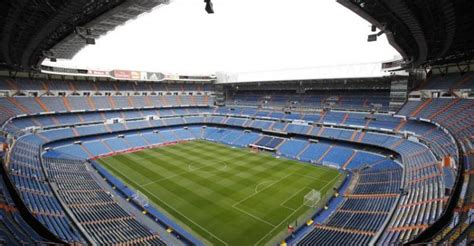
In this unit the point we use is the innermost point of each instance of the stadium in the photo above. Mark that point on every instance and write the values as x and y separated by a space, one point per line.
129 157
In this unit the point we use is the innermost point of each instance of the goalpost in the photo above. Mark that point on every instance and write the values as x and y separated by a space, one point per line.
141 199
312 198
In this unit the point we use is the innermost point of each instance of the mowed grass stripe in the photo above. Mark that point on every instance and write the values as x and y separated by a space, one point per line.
202 199
190 164
169 162
202 182
255 160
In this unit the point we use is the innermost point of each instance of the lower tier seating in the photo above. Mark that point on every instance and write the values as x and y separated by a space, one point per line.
364 210
457 116
13 228
93 207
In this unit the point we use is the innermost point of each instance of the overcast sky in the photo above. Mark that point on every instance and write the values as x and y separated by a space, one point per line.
242 36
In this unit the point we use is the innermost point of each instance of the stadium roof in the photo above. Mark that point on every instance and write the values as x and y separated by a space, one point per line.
425 32
336 72
33 30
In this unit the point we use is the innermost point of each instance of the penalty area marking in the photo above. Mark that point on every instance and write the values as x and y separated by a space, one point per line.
253 194
256 192
291 197
251 215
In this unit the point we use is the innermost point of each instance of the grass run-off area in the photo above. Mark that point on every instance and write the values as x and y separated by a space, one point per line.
223 195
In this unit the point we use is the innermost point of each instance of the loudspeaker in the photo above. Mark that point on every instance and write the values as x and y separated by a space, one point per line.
90 41
209 7
372 38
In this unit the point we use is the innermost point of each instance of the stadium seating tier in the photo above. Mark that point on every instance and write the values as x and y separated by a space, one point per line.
412 197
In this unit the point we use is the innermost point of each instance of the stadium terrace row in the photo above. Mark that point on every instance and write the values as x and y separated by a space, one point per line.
313 99
22 86
45 121
454 81
363 211
13 227
423 179
37 195
456 115
12 106
94 208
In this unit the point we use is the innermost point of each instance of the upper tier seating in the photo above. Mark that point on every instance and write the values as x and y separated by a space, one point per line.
12 106
365 100
454 81
18 85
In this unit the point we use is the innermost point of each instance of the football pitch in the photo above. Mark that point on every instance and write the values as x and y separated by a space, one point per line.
224 195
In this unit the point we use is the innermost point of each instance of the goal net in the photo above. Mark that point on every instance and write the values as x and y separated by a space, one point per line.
140 198
312 198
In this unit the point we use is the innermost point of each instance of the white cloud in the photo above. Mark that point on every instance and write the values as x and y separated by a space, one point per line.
243 35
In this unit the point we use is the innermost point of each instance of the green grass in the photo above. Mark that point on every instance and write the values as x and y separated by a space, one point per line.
226 196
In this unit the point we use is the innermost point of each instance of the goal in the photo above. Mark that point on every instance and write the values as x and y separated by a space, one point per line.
312 198
141 199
